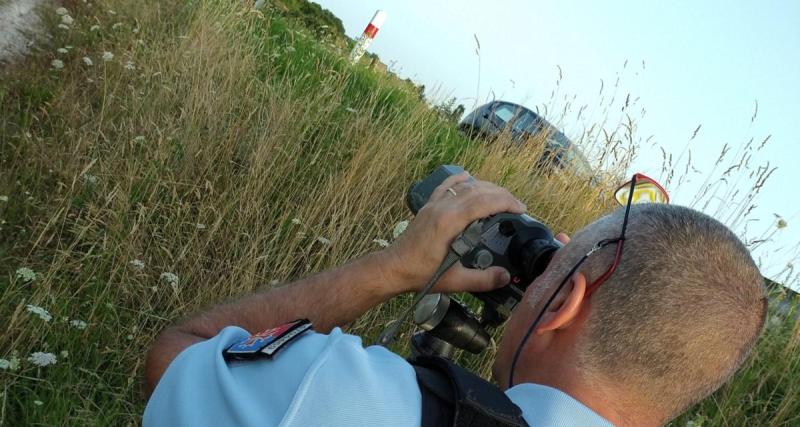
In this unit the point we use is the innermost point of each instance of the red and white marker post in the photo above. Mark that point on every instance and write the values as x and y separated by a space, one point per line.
366 38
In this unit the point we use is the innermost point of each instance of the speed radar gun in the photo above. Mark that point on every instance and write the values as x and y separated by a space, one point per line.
521 244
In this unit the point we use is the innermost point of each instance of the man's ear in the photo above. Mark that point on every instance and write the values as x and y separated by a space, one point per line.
566 307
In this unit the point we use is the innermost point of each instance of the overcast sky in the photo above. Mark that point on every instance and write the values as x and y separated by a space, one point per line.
688 63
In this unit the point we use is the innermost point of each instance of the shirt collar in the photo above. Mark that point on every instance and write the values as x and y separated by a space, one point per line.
547 406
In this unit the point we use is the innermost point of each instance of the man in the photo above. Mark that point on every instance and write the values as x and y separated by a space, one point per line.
674 321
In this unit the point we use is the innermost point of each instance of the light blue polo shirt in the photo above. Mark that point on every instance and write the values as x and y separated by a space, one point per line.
318 380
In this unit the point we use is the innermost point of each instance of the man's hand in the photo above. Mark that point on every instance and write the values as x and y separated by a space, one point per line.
414 257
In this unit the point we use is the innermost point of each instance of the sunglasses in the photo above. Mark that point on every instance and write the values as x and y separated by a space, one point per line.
640 189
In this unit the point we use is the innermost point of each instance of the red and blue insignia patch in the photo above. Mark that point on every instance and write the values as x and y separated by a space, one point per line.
266 343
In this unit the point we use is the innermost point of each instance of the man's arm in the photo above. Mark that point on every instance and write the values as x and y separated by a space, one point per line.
341 295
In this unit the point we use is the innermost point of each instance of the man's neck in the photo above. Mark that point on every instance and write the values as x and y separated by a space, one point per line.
604 400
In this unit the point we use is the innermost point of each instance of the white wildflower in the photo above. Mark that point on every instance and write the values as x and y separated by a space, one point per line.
39 311
130 66
26 274
64 354
88 61
111 12
10 364
78 324
38 402
296 221
137 264
62 11
66 20
94 28
324 241
301 235
200 226
107 56
42 359
116 25
135 30
171 279
3 198
57 64
63 26
90 179
381 242
129 337
351 110
399 229
139 139
62 50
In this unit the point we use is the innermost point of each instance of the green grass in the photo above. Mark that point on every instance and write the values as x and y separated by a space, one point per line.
231 124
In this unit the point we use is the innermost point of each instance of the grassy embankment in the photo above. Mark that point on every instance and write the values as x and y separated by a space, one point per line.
226 147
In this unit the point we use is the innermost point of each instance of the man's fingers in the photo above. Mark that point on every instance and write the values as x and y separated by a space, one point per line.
483 204
461 279
563 238
450 182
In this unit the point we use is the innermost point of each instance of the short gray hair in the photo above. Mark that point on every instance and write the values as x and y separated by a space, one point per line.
682 310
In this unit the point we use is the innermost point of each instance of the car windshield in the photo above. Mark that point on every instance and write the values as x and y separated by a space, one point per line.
504 112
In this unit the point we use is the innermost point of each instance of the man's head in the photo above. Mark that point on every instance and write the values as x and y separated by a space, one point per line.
675 320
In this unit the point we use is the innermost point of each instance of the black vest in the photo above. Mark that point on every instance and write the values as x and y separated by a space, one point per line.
453 396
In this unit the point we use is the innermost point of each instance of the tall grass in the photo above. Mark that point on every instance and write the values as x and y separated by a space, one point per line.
228 147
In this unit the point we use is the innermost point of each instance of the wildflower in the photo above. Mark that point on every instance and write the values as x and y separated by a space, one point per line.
94 28
3 198
116 25
129 66
90 179
324 241
38 402
137 264
301 235
62 11
39 311
351 110
107 56
26 274
66 20
139 139
64 354
296 221
63 26
399 229
42 359
135 30
200 226
171 279
111 12
78 324
10 364
381 242
88 61
62 50
57 64
129 337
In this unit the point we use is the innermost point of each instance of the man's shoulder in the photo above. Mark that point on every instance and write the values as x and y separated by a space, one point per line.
332 376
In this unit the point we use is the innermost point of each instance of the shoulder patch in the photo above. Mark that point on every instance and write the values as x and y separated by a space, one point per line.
266 343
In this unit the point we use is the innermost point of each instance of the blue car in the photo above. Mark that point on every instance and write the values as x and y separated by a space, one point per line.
488 121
